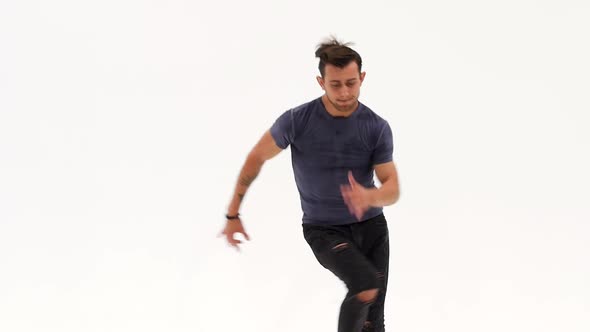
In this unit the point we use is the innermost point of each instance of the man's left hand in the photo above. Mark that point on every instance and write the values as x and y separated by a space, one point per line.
356 197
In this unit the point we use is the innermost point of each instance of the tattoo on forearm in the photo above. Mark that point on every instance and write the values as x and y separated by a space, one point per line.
241 197
246 180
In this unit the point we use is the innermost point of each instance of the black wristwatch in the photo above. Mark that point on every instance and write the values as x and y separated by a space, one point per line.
237 216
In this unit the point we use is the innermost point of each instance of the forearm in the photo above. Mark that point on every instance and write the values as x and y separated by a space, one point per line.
385 195
248 174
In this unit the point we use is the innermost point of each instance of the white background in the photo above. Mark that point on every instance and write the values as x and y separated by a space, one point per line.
124 124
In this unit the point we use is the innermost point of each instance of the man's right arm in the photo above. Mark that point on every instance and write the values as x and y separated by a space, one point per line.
265 149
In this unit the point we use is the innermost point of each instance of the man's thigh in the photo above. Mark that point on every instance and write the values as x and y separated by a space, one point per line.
335 251
375 242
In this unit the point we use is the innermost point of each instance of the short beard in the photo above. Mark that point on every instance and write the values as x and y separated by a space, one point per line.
346 109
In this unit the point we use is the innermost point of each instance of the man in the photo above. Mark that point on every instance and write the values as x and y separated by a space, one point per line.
337 145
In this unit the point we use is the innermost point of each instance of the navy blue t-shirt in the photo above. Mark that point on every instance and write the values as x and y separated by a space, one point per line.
324 148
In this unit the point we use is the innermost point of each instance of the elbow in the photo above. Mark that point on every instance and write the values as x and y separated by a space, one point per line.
254 159
393 197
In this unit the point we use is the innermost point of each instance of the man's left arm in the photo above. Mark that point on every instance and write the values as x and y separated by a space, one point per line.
388 192
359 199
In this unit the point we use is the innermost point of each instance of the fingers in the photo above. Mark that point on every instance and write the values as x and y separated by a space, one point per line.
233 242
358 214
352 180
352 199
235 245
349 194
229 237
345 191
346 195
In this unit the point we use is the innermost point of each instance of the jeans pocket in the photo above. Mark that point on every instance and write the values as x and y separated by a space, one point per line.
316 238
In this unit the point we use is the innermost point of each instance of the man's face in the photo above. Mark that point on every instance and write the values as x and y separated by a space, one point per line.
342 86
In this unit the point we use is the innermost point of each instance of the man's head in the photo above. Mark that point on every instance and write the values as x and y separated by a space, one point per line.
341 76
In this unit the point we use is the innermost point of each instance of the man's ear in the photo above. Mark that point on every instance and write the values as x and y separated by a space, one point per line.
321 82
363 76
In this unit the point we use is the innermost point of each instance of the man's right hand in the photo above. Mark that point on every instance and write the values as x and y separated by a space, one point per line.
232 227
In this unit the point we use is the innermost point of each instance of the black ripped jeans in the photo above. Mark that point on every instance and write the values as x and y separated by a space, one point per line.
358 254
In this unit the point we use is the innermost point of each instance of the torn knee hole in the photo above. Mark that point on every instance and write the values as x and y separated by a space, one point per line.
380 275
340 246
367 325
368 296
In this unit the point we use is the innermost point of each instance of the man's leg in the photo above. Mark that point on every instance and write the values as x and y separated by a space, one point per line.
375 246
336 251
354 310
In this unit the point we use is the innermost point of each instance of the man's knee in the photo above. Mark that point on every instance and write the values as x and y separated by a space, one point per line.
368 295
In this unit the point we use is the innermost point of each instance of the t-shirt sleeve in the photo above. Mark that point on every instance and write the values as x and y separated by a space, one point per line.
282 130
383 152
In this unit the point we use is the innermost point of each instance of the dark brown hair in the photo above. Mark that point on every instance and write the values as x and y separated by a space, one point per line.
337 54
